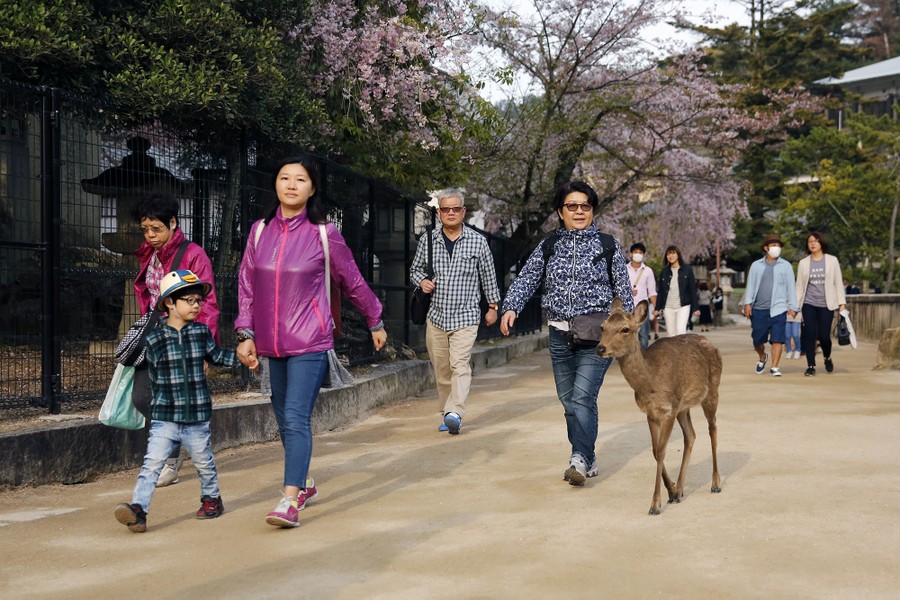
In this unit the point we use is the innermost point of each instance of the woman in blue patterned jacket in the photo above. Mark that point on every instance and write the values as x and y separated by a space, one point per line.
576 280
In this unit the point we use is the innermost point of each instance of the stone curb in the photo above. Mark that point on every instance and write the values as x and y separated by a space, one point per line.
75 452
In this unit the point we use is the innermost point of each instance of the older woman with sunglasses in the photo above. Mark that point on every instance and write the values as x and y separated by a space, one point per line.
576 282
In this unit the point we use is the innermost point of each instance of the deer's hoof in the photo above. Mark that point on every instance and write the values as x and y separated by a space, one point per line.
674 499
653 511
715 490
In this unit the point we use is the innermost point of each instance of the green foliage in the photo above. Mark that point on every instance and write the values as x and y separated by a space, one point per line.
46 42
853 188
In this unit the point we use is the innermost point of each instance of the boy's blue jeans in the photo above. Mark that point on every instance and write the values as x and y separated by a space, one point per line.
164 436
578 373
295 386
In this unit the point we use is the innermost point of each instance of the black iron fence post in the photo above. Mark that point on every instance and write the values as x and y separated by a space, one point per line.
51 351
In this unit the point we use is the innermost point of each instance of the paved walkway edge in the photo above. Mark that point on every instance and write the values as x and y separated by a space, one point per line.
75 452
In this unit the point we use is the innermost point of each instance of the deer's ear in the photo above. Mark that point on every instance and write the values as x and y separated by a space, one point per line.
616 304
640 311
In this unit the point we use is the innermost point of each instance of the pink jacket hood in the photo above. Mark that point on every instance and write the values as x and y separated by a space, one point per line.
281 286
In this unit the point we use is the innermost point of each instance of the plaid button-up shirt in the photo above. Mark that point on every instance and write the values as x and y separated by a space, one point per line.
459 280
175 359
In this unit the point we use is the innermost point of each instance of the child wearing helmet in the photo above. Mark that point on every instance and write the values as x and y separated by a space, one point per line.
181 406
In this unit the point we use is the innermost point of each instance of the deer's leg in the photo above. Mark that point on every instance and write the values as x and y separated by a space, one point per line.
709 409
654 440
663 431
687 429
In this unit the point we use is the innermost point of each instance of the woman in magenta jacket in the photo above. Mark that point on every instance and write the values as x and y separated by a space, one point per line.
285 315
157 215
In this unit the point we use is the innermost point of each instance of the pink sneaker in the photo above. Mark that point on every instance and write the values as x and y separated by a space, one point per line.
285 514
307 495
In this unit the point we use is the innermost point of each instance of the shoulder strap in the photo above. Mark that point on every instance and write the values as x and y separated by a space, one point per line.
548 245
180 254
430 234
323 234
609 248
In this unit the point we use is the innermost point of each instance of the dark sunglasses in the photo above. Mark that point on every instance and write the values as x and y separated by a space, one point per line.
453 209
574 206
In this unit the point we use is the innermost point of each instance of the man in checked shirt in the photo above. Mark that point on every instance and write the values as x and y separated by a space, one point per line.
181 407
463 268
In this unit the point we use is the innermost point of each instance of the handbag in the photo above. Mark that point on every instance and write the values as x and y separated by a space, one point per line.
843 332
133 347
118 410
584 330
337 375
421 301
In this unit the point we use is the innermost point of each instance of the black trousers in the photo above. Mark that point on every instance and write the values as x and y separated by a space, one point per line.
817 323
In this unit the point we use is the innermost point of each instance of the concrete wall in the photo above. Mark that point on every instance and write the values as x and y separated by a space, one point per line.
872 314
75 452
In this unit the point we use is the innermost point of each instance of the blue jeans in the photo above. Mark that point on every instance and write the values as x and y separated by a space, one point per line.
295 386
164 436
644 334
792 337
578 373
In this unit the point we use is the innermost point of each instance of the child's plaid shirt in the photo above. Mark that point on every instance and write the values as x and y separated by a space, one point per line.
175 359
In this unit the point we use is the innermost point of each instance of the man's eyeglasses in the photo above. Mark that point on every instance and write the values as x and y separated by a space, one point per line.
453 209
153 228
574 206
193 301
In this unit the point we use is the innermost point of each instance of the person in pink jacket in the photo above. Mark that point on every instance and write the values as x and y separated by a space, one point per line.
285 315
157 214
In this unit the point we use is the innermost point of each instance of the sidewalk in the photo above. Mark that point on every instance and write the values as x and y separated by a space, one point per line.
808 509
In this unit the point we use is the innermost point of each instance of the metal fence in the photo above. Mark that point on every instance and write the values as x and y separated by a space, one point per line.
69 176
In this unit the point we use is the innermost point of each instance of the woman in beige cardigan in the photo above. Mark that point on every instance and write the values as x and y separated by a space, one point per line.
820 291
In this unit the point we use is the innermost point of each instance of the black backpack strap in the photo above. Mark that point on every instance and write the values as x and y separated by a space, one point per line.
548 245
180 254
609 249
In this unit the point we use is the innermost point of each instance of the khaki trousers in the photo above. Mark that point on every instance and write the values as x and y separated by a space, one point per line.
450 353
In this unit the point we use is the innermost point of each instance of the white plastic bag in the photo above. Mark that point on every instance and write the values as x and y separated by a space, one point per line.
118 410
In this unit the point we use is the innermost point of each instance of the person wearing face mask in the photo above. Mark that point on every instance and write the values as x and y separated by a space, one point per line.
643 287
769 297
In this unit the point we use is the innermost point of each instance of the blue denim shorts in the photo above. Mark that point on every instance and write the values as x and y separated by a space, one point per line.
763 326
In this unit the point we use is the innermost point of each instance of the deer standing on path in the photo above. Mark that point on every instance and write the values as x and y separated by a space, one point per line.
670 377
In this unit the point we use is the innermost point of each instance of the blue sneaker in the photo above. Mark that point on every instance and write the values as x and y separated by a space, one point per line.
453 423
443 427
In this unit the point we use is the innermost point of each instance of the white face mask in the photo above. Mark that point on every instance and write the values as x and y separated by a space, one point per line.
637 257
774 251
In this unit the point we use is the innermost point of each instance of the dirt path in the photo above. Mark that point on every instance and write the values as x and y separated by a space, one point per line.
808 508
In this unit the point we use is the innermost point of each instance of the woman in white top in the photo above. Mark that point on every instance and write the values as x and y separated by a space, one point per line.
820 291
676 293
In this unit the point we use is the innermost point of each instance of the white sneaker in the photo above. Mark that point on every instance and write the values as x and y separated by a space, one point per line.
577 471
775 371
796 355
169 474
593 471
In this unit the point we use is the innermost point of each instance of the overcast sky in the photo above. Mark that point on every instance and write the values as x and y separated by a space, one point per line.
720 12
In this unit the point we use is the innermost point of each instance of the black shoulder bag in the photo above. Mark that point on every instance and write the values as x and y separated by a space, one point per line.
584 330
421 301
131 350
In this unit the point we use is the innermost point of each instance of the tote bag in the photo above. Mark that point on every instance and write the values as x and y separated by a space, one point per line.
118 410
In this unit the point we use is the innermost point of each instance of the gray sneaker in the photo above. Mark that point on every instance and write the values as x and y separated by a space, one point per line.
169 474
577 471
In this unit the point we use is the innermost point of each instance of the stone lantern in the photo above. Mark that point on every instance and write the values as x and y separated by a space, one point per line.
126 184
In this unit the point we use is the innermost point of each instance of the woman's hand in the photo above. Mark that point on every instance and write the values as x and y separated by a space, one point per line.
246 352
490 317
379 338
427 285
507 321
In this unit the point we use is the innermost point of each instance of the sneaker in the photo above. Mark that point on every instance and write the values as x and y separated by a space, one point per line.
210 507
761 365
577 471
829 366
443 427
810 371
593 471
796 355
169 474
285 514
132 516
453 423
775 371
307 495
